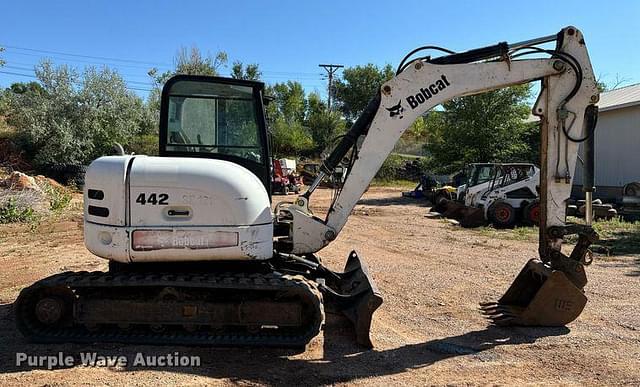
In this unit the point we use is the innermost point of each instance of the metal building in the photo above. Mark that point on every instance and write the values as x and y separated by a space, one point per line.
617 157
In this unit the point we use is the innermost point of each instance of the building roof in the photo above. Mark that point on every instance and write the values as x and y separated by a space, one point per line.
620 98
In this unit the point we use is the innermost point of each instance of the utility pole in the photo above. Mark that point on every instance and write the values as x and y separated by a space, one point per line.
331 69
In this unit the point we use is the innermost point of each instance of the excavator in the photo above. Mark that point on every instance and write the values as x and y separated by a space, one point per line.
198 257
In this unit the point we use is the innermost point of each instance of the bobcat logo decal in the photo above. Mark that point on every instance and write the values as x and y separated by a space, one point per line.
396 110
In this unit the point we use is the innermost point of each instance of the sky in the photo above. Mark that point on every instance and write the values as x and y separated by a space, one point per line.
288 39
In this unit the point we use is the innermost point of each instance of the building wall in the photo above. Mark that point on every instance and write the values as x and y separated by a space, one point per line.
617 153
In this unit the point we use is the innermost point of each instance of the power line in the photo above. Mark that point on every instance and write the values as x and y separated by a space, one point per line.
34 77
82 55
33 65
266 73
20 75
121 76
137 64
86 61
72 59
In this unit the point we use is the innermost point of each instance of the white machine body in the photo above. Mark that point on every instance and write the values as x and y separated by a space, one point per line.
516 190
151 209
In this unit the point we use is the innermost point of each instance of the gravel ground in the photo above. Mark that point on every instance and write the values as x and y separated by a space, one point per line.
428 331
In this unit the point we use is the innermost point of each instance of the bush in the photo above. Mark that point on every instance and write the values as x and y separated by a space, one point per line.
71 119
59 198
12 211
398 167
290 138
146 144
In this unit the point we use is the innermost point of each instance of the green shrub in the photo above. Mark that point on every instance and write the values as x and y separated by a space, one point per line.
395 168
12 212
73 119
59 198
146 144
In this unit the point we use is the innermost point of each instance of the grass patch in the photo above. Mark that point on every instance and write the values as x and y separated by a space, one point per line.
527 234
398 183
617 237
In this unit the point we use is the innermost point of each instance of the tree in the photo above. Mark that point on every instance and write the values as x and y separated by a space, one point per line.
482 128
249 72
604 86
74 119
324 125
289 101
358 85
290 138
286 114
22 87
190 62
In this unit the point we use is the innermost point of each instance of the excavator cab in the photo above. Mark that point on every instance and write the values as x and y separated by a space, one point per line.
216 118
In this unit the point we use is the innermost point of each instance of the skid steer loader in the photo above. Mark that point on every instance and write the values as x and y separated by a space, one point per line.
198 257
501 194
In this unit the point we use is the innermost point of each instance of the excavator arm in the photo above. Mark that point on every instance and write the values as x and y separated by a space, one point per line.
567 112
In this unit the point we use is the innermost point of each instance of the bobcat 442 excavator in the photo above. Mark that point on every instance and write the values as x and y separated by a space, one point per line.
198 257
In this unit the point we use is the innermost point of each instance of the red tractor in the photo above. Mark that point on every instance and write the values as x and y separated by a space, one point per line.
282 182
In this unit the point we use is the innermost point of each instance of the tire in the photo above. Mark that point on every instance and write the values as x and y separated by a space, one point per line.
502 215
632 189
531 214
285 190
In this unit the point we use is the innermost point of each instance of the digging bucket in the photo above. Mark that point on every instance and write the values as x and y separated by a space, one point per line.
539 296
354 295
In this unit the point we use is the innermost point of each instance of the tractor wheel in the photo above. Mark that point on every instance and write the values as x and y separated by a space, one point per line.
632 189
502 215
531 214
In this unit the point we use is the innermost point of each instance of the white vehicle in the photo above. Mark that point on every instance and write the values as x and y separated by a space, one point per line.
506 192
197 256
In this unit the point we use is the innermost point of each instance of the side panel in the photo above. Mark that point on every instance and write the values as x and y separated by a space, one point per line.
104 191
167 191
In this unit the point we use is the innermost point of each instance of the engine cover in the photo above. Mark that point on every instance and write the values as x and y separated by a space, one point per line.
140 208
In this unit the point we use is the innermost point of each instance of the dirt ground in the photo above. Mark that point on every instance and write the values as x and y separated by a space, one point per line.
428 331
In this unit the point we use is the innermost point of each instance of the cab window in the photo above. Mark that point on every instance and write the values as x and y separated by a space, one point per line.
213 118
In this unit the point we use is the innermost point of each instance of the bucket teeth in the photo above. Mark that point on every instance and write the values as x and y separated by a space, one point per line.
501 314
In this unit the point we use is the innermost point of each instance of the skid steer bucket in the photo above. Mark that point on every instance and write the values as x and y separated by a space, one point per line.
539 296
467 216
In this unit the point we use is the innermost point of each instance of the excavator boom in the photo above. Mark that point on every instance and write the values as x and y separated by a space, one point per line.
549 290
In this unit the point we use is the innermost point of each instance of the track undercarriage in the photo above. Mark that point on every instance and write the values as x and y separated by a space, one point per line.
279 303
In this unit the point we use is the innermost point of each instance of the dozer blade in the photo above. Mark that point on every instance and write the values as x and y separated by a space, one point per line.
354 295
539 296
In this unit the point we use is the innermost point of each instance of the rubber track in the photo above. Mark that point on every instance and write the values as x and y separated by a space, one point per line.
36 332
